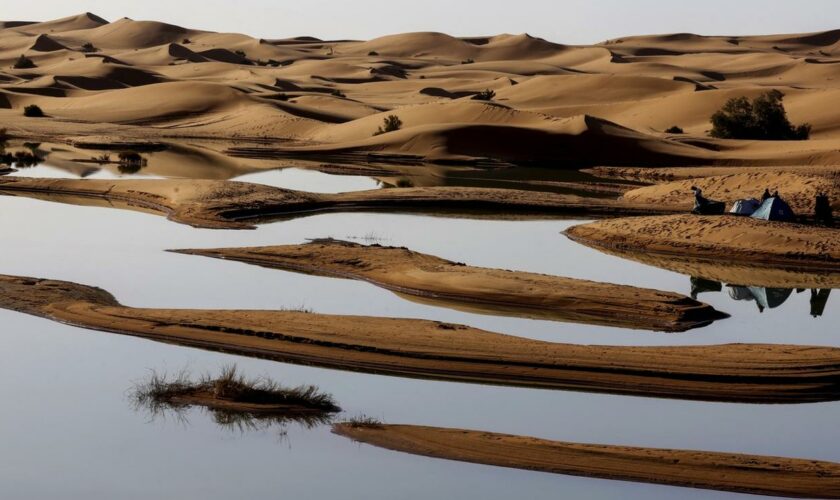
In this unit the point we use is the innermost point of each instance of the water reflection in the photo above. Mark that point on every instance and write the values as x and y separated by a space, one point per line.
764 297
234 402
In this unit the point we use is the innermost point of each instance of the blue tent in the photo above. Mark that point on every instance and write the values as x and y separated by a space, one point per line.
774 209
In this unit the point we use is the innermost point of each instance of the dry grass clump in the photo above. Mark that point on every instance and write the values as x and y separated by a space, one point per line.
264 402
364 421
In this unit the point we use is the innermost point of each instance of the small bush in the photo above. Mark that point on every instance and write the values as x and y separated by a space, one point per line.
373 53
763 118
33 111
337 93
23 62
241 53
674 130
88 47
485 95
391 123
467 61
186 41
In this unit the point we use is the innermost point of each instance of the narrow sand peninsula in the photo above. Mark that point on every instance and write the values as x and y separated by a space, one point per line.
231 205
754 373
727 238
493 291
755 474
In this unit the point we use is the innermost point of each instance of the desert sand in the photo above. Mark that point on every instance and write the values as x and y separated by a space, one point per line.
727 238
761 475
142 79
749 373
493 291
238 205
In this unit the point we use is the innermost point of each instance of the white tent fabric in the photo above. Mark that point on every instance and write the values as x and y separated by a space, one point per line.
745 207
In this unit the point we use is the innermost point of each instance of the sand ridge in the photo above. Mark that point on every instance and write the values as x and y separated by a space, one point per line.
749 373
491 291
238 205
761 475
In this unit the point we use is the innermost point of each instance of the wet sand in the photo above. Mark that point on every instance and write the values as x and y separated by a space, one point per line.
726 238
750 373
490 291
754 474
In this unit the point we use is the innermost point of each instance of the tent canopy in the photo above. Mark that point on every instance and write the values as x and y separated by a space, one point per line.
745 207
774 209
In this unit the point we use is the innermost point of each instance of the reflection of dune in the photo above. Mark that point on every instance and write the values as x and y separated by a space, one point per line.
776 476
734 272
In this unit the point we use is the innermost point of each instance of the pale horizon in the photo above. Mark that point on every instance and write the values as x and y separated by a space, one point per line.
572 22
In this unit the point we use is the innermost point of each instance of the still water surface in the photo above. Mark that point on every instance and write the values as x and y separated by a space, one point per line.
69 431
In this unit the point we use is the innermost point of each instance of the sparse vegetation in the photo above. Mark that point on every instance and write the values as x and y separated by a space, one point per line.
363 421
186 41
337 93
264 401
391 123
485 95
674 130
763 118
241 53
467 61
33 111
23 62
20 159
88 47
130 162
373 53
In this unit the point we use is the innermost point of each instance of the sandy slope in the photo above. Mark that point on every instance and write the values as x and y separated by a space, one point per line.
762 475
729 238
238 205
755 373
796 189
604 104
492 291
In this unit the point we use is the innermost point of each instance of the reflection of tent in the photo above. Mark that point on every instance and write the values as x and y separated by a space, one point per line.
819 298
765 298
745 207
701 285
774 209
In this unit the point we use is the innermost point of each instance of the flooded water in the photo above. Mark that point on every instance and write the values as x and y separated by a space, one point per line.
70 431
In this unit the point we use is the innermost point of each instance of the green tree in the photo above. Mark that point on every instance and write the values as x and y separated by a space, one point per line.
763 118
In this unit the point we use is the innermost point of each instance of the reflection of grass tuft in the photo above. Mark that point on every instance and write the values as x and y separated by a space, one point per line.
234 401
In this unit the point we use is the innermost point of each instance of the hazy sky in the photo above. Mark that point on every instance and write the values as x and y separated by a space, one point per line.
570 21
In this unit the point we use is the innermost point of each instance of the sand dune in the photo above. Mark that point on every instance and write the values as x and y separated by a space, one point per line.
753 373
776 476
555 104
489 291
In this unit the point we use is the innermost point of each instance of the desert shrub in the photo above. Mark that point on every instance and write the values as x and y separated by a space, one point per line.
674 130
373 53
391 123
763 118
485 95
23 62
186 41
337 93
33 111
467 61
88 47
241 53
